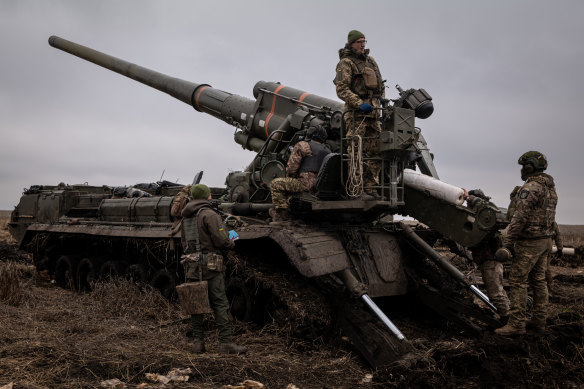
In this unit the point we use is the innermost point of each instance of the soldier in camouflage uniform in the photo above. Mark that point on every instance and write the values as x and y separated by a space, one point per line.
491 268
529 243
360 85
211 240
557 237
178 204
301 171
492 272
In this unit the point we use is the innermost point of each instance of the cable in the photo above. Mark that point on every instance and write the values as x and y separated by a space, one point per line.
354 186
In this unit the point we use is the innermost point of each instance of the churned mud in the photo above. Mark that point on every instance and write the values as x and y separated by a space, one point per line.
121 334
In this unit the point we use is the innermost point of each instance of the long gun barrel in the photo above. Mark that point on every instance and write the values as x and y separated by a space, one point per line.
276 106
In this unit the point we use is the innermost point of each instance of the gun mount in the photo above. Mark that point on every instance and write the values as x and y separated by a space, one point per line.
341 245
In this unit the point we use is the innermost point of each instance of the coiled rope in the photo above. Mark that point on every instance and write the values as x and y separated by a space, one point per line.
354 185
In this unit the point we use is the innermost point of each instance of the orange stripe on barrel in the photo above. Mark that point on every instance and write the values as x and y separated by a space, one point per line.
199 94
303 96
272 110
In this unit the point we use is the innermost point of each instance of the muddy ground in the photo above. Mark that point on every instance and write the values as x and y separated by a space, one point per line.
55 338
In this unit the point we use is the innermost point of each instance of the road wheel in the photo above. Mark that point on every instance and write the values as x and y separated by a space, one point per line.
240 301
65 272
137 273
111 269
86 274
164 282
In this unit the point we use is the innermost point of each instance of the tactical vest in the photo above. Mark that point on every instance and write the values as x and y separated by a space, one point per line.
360 83
544 213
513 203
313 162
198 260
191 228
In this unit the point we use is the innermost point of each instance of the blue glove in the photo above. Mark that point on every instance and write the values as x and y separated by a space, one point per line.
365 107
233 235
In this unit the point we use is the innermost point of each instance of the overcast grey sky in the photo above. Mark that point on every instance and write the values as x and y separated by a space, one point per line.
506 77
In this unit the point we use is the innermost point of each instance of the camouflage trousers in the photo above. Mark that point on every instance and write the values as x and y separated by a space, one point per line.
220 305
549 279
369 129
282 188
492 272
528 267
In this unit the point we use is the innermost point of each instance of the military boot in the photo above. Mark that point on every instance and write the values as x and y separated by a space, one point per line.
370 195
231 348
284 215
199 346
535 326
510 330
365 197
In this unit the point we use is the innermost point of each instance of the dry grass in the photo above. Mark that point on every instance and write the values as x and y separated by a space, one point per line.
77 341
4 234
572 236
56 338
16 282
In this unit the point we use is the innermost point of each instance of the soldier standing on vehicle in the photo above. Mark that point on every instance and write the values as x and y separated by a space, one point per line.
360 85
204 234
529 243
301 171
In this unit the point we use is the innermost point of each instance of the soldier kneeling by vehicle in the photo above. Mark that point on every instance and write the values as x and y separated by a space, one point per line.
204 236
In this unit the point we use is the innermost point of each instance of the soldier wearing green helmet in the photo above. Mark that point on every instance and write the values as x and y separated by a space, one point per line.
203 233
529 242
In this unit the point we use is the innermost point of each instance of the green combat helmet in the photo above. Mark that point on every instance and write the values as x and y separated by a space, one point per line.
534 161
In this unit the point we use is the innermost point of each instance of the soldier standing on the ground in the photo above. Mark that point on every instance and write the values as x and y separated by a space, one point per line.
301 171
360 85
492 272
204 234
529 242
491 268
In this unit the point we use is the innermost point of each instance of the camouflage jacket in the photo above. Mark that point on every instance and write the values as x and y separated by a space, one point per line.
349 79
307 179
213 236
512 203
535 209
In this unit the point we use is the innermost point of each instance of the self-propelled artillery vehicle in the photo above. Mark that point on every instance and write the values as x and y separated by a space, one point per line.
348 249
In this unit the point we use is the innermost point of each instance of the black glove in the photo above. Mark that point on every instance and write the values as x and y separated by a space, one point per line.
504 254
559 254
477 193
